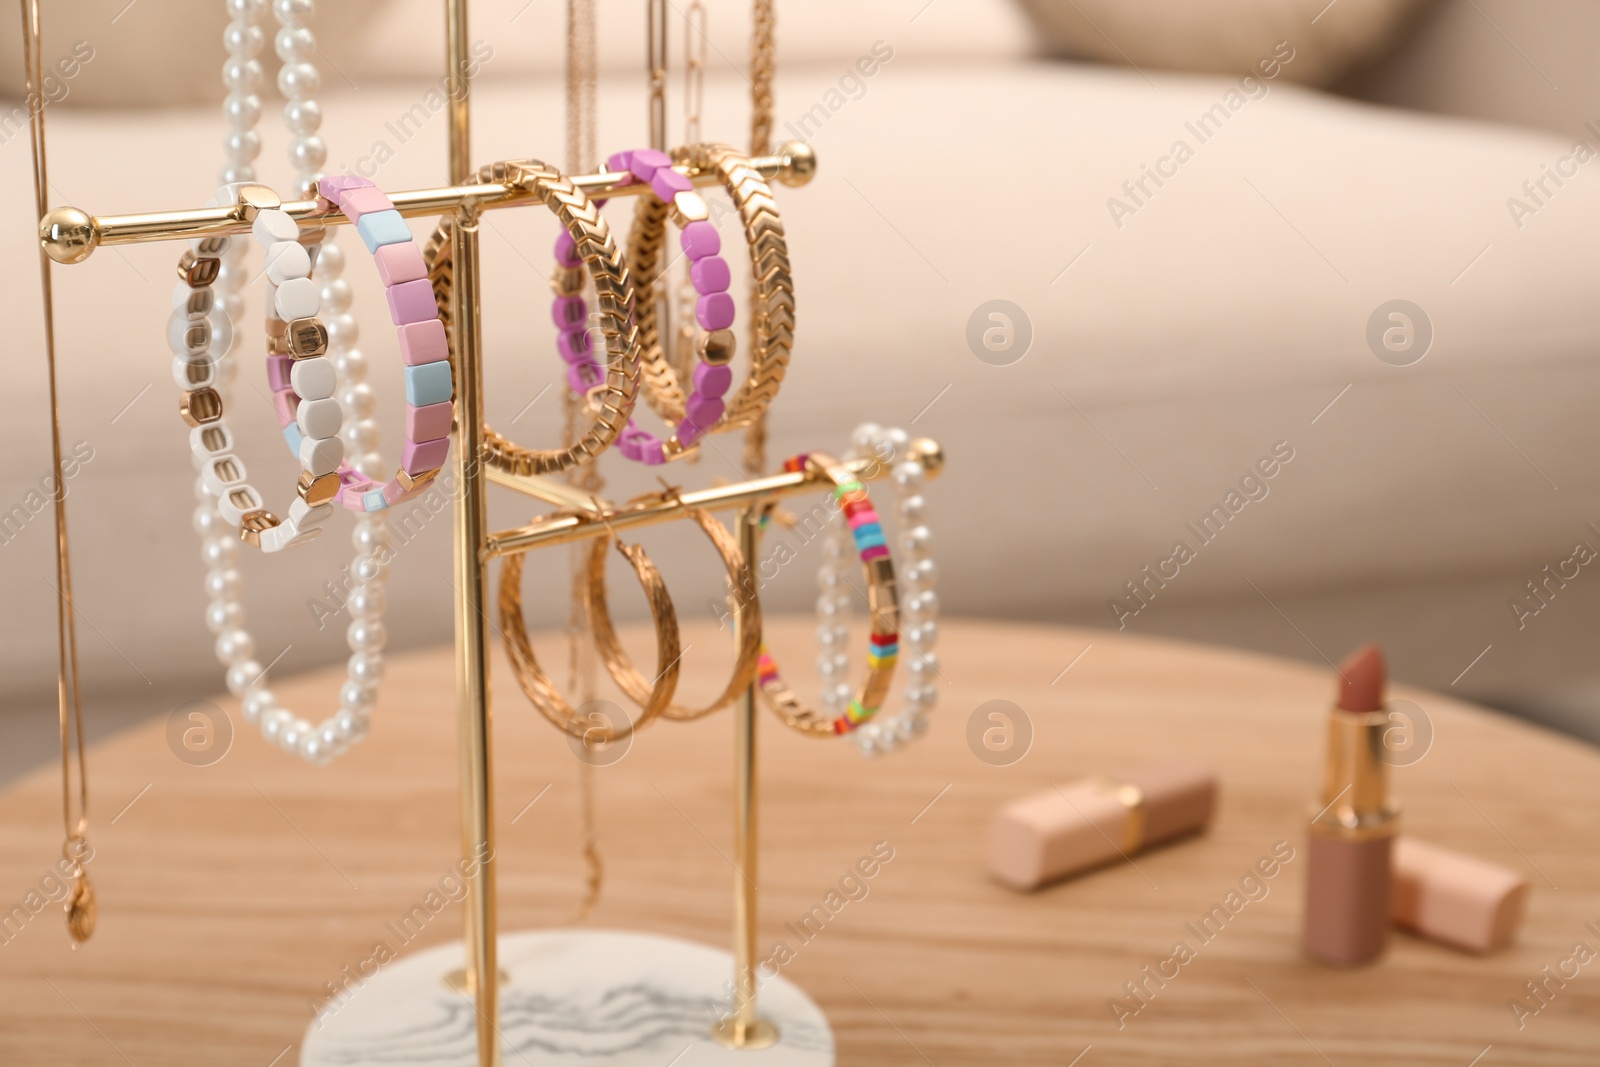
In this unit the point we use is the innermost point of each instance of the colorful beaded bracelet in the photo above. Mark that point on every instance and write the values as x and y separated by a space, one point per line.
197 344
884 640
714 310
771 308
909 463
423 347
303 381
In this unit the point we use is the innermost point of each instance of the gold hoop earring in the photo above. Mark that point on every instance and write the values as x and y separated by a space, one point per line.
536 685
746 610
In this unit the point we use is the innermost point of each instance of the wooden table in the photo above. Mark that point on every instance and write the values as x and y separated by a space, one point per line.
231 893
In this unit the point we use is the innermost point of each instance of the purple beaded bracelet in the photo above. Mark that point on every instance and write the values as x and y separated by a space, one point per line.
429 383
714 310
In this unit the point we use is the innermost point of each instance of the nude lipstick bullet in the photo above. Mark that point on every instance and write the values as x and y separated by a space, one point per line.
1352 833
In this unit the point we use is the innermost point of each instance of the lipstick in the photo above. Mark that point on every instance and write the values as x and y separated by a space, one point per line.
1352 832
1069 829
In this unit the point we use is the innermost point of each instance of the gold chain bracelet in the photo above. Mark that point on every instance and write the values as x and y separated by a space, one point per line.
613 403
772 303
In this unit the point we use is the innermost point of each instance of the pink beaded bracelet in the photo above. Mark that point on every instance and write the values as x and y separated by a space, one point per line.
714 311
423 347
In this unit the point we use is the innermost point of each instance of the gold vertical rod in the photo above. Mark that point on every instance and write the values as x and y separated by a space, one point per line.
471 577
457 46
745 853
746 1029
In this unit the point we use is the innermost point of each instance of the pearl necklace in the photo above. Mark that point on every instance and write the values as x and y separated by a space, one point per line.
916 575
298 79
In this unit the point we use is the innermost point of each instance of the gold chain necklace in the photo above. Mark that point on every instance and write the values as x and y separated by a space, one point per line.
763 61
677 306
80 906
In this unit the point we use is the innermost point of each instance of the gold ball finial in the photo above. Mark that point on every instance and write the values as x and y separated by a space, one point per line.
799 163
926 451
68 235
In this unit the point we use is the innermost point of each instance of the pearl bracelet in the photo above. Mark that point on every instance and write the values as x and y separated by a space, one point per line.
225 612
225 616
919 606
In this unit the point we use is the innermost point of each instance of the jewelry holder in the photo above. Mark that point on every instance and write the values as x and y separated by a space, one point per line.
549 997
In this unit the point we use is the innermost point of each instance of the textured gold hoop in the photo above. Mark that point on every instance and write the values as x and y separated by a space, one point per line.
537 686
746 610
614 305
772 296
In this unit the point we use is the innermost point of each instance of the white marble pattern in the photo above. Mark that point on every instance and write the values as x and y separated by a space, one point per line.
589 997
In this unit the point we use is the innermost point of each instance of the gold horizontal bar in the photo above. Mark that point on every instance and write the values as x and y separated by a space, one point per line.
69 235
566 529
561 494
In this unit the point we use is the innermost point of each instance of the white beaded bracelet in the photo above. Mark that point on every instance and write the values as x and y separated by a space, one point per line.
916 575
197 342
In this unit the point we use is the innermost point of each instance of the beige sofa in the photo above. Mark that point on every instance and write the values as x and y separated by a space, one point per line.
1186 335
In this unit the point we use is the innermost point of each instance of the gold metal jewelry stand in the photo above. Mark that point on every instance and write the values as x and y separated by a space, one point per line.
69 235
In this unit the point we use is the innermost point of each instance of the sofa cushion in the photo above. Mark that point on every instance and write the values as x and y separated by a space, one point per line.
1180 332
164 54
1225 36
531 38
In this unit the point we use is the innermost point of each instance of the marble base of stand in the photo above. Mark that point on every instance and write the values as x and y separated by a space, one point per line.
567 997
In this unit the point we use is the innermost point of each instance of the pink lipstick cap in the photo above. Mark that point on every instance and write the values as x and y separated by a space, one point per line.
1455 898
1068 829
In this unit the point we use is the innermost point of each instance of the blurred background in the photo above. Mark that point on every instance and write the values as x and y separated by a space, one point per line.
1267 323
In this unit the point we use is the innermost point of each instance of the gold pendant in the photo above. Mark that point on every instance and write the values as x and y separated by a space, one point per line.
81 909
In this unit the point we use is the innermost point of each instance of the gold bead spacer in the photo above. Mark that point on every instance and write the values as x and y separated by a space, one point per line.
409 481
926 451
717 347
197 270
200 406
317 489
689 206
568 281
256 198
307 338
254 523
673 450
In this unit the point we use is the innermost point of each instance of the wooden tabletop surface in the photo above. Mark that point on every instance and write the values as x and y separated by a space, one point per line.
230 893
